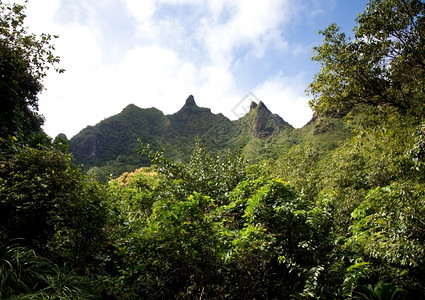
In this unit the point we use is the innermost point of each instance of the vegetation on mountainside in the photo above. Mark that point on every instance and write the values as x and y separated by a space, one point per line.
110 146
336 212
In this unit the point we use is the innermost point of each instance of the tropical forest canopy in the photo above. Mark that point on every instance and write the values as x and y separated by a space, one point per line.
336 211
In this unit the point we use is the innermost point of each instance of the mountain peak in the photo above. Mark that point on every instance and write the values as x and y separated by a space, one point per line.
261 105
265 123
131 106
191 120
253 105
190 107
190 101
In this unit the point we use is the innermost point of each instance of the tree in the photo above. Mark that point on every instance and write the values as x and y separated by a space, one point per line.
277 247
177 255
381 69
49 205
211 176
388 231
24 61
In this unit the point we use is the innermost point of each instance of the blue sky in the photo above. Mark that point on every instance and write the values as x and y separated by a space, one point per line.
155 53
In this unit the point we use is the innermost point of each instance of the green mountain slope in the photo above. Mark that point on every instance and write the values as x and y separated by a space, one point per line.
260 122
110 146
114 140
262 133
215 130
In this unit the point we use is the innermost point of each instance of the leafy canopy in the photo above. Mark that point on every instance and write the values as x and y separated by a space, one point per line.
381 70
24 61
212 176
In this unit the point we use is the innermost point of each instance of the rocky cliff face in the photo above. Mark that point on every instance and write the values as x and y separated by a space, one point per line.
261 123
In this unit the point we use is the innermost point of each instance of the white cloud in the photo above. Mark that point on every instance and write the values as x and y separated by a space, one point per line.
249 23
39 16
153 76
141 10
165 61
220 27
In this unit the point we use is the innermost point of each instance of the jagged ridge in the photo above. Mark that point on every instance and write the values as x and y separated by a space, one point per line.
112 143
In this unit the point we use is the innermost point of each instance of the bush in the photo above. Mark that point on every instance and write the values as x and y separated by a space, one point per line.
48 204
26 275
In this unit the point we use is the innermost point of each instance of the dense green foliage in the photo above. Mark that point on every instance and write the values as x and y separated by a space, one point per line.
334 210
24 61
214 231
51 206
382 69
26 275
